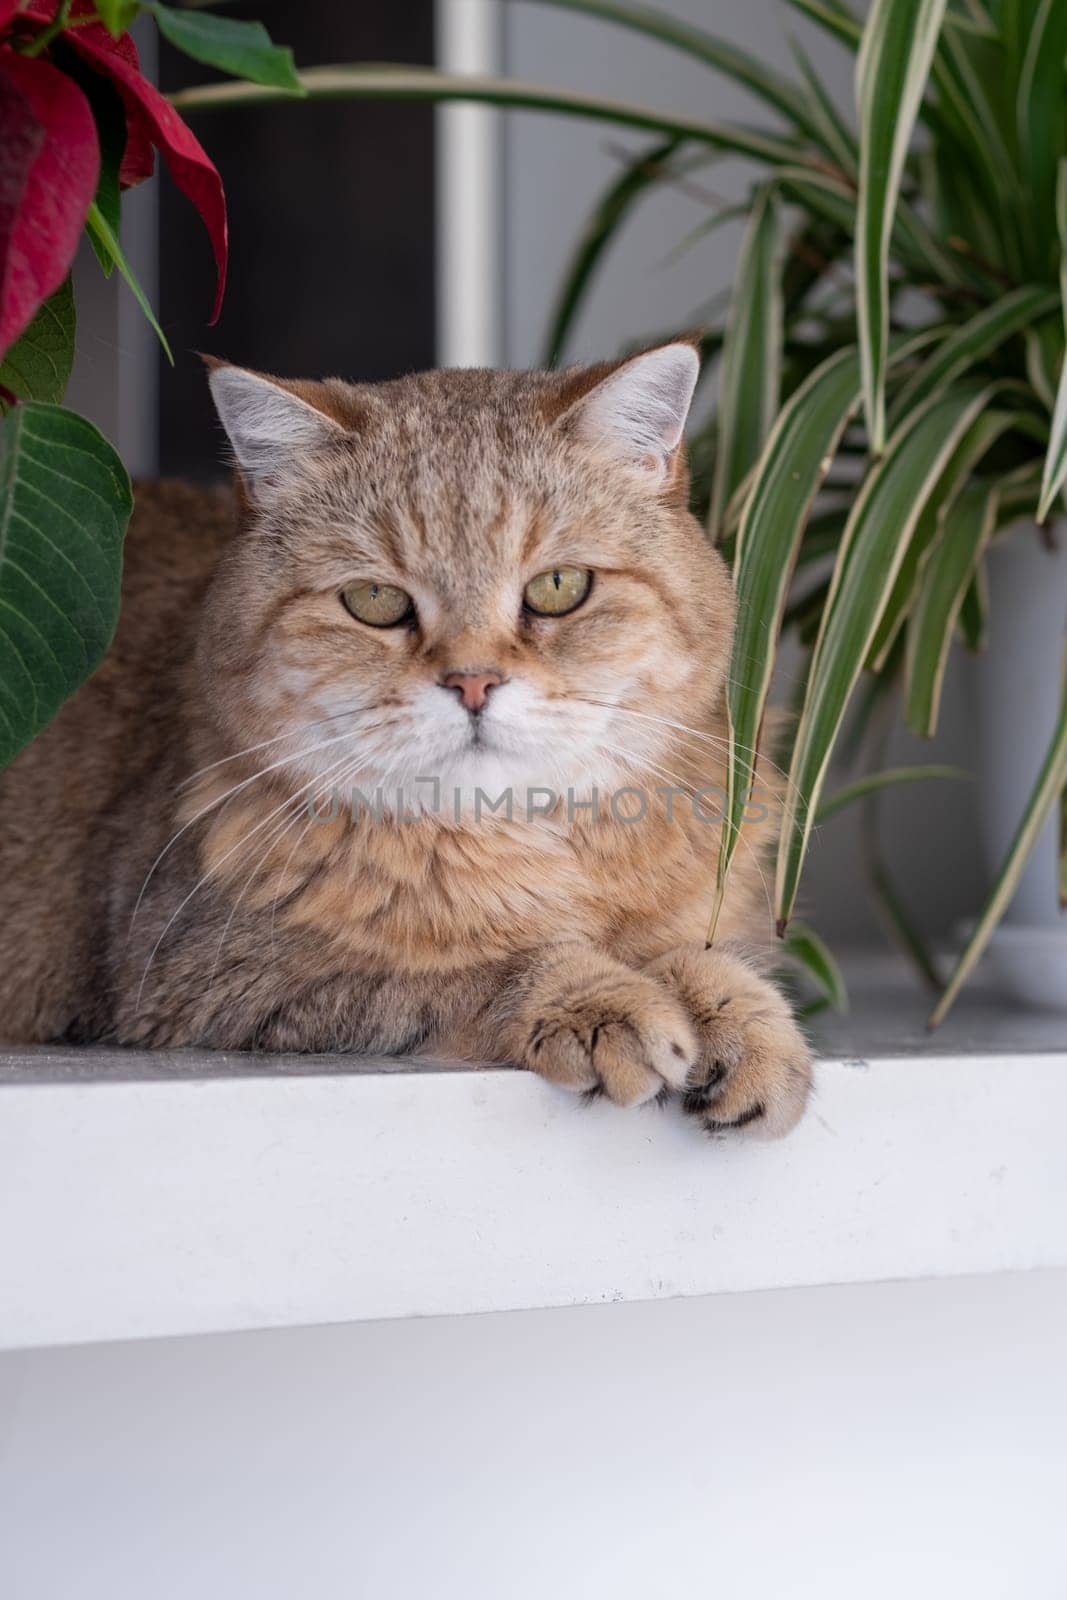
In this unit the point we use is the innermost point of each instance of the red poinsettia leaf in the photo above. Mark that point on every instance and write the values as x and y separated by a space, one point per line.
138 158
151 119
21 137
138 161
39 232
8 8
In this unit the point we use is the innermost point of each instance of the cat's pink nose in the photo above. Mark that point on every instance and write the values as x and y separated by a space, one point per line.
473 687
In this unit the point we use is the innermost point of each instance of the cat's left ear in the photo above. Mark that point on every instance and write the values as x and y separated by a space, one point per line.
638 412
267 422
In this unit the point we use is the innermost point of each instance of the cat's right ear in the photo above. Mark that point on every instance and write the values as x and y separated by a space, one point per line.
267 424
634 411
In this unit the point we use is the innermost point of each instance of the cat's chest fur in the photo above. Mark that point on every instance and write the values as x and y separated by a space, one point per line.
421 896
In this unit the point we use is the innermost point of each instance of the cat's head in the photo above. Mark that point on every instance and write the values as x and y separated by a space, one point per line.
488 579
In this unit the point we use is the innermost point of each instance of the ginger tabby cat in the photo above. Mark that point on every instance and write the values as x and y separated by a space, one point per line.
396 750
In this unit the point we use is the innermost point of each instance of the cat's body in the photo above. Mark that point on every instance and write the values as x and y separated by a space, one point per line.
164 879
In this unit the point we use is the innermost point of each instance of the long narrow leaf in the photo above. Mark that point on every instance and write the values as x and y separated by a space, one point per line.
832 198
607 216
891 71
830 128
423 83
980 437
946 577
744 68
1044 358
974 612
1050 783
888 778
106 240
794 463
709 225
833 18
972 341
750 370
880 527
1043 125
1056 460
967 123
813 954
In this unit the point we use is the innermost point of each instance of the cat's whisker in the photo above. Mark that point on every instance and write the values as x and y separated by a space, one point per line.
715 740
210 873
345 777
301 836
641 760
221 800
277 834
264 744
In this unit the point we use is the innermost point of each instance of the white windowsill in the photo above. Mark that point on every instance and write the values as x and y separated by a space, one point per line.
144 1195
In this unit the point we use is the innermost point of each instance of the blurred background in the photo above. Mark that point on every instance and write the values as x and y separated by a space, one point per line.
447 248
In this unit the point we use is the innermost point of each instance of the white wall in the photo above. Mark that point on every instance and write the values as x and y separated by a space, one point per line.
871 1441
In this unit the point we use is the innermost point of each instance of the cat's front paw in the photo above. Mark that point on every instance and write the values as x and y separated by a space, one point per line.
753 1070
600 1028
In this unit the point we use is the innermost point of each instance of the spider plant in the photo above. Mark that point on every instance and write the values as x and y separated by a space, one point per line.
891 385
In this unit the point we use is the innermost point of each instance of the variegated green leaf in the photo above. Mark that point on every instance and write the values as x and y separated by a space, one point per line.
827 195
833 17
887 778
947 574
972 341
424 83
970 74
828 125
1043 126
1017 495
725 57
878 533
750 369
898 44
603 223
1044 358
974 612
1056 459
811 952
1051 781
980 437
795 462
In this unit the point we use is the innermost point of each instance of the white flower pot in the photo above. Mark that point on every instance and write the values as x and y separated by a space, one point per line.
1018 683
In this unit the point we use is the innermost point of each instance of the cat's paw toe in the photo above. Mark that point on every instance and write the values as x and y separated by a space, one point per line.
753 1072
631 1047
753 1076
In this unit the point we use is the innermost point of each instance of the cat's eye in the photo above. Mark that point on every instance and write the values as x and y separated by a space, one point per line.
381 605
553 594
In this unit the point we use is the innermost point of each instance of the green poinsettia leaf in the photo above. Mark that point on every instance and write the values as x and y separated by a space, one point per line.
65 501
244 49
37 366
